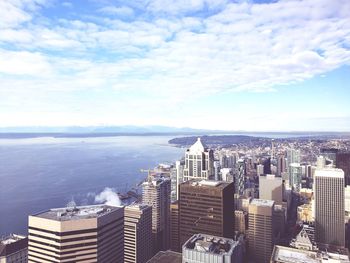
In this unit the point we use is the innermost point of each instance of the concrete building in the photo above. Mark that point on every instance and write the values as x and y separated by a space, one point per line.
77 234
270 188
137 233
305 213
206 207
174 227
202 248
347 202
156 193
283 254
260 230
329 206
295 176
14 249
240 174
199 162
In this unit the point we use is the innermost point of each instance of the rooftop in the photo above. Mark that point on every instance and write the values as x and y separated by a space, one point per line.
282 254
11 239
197 147
329 172
166 257
77 212
12 244
262 202
211 244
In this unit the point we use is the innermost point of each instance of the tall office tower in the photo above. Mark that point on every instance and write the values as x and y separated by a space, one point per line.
240 174
281 164
199 162
202 248
217 168
231 161
180 166
156 193
241 221
259 169
329 206
330 154
14 249
260 230
137 233
270 188
295 175
293 156
343 162
174 227
267 166
77 234
206 207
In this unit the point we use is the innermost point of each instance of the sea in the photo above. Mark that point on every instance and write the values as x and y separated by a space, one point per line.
37 174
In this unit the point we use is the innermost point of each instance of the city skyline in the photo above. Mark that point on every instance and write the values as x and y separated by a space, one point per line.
225 65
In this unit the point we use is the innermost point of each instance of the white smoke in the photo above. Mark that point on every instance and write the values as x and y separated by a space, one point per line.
108 197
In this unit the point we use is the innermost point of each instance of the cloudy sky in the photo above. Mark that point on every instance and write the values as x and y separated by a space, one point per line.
235 65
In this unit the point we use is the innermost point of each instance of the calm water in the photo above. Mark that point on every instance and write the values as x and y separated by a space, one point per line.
42 173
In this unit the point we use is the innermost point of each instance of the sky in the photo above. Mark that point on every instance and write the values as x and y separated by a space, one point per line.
206 64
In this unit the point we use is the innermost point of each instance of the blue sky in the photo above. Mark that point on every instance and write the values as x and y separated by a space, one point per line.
214 64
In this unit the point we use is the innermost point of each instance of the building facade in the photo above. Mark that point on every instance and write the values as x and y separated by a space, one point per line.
206 207
174 227
77 234
260 230
156 193
329 206
137 233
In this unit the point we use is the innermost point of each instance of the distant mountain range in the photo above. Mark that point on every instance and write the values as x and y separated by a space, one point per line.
128 129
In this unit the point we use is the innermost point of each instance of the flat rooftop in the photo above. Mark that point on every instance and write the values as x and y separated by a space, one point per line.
207 183
262 202
166 257
11 239
211 244
291 255
77 213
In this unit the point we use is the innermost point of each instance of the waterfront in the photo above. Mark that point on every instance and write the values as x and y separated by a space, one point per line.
41 173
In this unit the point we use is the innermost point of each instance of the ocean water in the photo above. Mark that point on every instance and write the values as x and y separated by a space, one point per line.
41 173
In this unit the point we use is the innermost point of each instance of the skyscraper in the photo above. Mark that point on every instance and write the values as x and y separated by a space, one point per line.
199 162
329 206
281 164
240 177
293 156
174 227
156 193
343 162
260 230
295 176
206 207
77 234
179 166
270 188
137 233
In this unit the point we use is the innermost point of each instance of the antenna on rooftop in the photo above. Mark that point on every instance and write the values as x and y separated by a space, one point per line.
71 206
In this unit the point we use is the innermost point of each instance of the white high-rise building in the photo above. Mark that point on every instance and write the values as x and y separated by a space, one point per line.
329 206
199 162
179 166
156 193
270 188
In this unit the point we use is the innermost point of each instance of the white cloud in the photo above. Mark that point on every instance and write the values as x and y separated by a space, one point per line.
123 11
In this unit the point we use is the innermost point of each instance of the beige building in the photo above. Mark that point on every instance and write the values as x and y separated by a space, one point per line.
14 249
329 206
240 225
270 188
305 213
156 193
174 227
137 233
260 230
77 234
